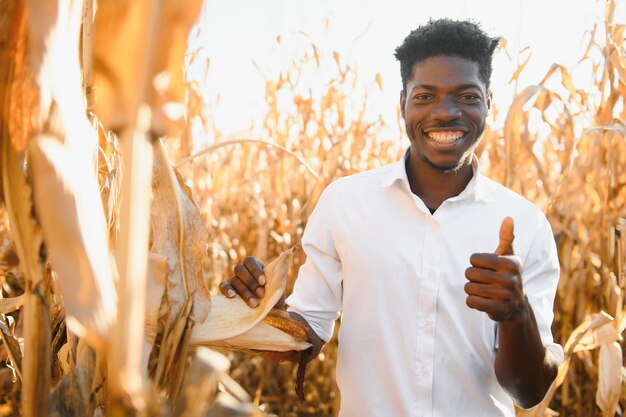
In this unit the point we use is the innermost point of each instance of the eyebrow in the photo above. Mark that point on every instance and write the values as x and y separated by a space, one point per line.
460 87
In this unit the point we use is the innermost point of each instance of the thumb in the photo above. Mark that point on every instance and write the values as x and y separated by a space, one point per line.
505 247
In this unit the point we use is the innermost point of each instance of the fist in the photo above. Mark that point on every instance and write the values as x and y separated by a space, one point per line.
495 280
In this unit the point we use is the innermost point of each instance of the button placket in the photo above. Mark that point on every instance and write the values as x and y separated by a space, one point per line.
426 322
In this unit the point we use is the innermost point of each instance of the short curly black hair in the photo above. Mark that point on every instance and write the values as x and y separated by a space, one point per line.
463 39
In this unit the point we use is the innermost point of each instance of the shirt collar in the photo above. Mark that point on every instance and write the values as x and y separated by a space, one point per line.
477 187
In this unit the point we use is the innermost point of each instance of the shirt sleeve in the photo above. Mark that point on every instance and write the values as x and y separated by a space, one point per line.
318 291
540 275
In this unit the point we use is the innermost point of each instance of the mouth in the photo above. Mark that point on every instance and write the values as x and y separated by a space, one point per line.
445 137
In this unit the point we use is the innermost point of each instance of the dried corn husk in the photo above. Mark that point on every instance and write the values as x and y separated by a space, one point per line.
179 235
276 333
230 317
247 328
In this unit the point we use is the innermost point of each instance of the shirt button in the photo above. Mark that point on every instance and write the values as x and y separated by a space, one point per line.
435 227
431 273
422 371
427 323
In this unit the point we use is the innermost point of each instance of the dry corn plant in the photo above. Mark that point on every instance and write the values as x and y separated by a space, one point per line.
85 270
107 285
562 147
572 165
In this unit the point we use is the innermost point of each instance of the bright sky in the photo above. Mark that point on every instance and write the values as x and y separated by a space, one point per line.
233 33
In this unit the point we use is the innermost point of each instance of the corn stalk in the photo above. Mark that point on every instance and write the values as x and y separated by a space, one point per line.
26 234
126 376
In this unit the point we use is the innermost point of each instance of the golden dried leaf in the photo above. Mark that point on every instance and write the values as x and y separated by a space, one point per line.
8 305
336 57
74 226
512 129
591 323
609 378
593 338
379 80
13 348
520 68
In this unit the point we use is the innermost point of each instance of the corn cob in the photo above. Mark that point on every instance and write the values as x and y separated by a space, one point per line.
281 320
262 337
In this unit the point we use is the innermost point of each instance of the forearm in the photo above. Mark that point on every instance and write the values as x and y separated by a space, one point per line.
523 367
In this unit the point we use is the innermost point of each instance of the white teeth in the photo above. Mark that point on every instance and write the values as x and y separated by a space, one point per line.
445 137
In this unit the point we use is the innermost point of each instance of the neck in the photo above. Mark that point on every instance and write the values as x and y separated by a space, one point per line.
432 185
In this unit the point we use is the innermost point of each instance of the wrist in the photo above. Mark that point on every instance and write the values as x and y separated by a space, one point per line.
521 315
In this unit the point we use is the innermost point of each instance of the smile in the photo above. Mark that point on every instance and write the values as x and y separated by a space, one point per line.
445 137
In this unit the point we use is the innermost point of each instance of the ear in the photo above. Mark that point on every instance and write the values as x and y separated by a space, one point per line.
402 102
489 98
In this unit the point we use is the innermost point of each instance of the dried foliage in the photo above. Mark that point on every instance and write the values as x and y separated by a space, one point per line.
71 325
84 349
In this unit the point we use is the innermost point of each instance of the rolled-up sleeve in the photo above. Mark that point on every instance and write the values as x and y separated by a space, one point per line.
540 279
317 292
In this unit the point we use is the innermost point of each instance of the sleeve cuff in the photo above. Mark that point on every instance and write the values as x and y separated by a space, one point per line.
322 326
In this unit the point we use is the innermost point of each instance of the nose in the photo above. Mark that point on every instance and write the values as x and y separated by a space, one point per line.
446 109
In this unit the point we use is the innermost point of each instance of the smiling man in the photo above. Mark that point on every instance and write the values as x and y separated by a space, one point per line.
444 312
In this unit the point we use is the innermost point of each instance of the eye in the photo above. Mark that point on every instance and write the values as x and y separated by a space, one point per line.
422 97
470 98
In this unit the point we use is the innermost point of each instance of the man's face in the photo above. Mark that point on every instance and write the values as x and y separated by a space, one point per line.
444 110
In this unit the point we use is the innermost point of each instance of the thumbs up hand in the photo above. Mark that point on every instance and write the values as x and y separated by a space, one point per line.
495 280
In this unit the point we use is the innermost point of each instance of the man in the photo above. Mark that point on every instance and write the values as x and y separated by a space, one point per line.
434 323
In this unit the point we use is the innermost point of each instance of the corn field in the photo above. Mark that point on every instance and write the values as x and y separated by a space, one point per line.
118 222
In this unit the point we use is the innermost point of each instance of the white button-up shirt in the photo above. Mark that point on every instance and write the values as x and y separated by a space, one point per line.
408 344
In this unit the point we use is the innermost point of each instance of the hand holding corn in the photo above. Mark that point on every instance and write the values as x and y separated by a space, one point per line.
248 282
495 280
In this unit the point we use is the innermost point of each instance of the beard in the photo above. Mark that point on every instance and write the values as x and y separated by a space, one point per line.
446 169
